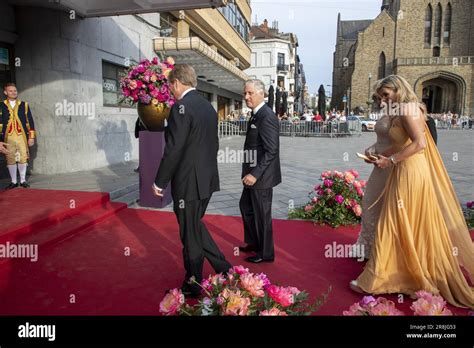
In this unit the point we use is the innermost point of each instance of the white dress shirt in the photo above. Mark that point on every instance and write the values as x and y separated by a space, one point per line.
259 106
12 103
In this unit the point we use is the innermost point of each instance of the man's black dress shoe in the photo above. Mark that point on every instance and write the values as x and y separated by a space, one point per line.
258 259
248 248
11 186
25 185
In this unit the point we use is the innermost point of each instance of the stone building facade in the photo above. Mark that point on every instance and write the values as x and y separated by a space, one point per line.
429 42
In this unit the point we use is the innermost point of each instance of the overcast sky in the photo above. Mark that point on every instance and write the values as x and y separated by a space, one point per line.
315 24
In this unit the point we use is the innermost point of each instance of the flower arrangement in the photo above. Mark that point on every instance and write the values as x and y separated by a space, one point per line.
426 304
241 293
336 201
147 83
469 214
369 306
429 304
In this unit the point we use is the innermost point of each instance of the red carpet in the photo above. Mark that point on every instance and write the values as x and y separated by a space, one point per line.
91 267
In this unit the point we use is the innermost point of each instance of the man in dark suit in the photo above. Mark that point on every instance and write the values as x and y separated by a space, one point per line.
263 138
190 163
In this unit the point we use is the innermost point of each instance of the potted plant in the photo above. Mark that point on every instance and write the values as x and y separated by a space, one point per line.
146 84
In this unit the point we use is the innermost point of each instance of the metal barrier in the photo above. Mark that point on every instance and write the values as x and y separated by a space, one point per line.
297 129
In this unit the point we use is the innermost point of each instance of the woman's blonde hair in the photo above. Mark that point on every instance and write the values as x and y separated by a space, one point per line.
404 93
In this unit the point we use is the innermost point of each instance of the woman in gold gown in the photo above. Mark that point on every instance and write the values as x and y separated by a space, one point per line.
422 240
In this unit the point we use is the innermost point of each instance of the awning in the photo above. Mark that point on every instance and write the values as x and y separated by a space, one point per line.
210 66
97 8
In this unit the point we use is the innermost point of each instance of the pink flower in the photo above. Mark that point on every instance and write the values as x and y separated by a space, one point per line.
154 61
339 199
232 303
469 204
314 200
265 280
354 172
429 304
353 203
308 208
328 183
326 174
338 174
317 188
357 210
206 285
293 290
355 310
363 183
349 178
254 285
360 192
239 270
132 84
329 191
273 312
385 307
357 184
282 296
172 302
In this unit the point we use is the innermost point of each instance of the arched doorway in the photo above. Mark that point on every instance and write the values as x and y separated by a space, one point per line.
442 92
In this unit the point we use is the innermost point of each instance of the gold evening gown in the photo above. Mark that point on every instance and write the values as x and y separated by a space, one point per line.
422 239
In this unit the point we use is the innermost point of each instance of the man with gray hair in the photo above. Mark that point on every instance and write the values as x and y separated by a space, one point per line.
263 137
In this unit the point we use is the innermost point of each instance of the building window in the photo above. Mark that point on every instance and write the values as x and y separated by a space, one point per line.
281 59
235 18
436 51
447 25
438 23
382 66
428 24
383 32
111 76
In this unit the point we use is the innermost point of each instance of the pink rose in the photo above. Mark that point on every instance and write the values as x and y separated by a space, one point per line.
308 208
172 302
339 199
360 192
469 204
314 200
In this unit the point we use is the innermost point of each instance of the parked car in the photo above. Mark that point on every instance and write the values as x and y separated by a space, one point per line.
367 124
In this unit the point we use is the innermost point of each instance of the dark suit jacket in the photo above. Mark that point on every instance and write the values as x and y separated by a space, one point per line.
190 157
263 136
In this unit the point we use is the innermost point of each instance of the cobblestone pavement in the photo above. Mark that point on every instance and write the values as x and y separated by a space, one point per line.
302 160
